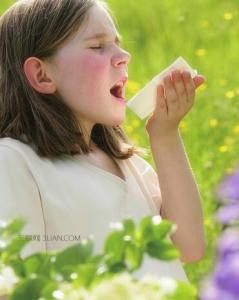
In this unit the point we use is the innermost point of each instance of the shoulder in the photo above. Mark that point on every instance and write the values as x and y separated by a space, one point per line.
13 144
141 164
10 156
10 147
15 153
149 177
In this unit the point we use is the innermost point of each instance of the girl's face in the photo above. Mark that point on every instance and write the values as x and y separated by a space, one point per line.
87 67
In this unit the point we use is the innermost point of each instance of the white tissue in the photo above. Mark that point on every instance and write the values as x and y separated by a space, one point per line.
143 103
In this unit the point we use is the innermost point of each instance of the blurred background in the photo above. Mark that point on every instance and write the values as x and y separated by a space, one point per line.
205 33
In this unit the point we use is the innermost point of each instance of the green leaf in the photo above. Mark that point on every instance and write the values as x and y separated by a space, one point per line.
161 230
118 267
14 245
133 256
96 259
38 263
184 291
86 274
145 231
48 289
12 228
73 255
163 250
17 264
114 246
129 227
29 288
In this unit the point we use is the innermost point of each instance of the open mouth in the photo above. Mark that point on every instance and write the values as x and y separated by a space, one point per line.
117 91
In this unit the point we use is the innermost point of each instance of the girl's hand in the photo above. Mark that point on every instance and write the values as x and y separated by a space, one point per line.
174 99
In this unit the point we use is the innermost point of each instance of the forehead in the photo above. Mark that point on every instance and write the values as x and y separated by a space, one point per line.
99 20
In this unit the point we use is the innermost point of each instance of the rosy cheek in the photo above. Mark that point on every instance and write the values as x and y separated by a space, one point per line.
94 66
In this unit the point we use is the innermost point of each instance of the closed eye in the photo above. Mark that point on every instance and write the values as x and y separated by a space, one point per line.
99 47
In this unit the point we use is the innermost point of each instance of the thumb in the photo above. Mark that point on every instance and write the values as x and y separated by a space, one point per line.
198 80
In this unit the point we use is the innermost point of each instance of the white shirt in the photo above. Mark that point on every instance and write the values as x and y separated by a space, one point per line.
68 199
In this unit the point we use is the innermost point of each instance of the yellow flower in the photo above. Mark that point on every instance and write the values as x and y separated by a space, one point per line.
213 122
236 129
230 94
229 141
133 87
223 149
135 123
183 126
129 129
208 223
230 171
222 82
202 87
204 24
227 16
201 52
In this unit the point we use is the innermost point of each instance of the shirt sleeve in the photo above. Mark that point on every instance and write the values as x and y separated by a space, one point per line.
20 197
150 179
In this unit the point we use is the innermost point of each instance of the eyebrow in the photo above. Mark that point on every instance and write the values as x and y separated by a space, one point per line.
102 35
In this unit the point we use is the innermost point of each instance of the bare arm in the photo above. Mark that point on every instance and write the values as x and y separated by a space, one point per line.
180 196
181 202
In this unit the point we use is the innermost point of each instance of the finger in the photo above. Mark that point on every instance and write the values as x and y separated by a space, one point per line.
179 86
161 105
189 86
198 80
171 95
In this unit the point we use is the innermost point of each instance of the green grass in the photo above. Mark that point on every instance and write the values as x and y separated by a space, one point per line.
155 33
205 33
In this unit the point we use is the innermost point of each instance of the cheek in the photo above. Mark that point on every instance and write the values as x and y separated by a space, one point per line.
84 68
94 76
84 76
94 66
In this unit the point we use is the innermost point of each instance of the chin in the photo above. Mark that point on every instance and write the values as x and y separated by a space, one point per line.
118 121
112 120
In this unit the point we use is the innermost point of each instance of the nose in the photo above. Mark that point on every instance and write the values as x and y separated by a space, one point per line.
122 57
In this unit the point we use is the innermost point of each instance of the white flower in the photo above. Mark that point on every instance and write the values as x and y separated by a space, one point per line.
150 279
116 226
156 219
118 288
124 286
167 285
58 294
7 280
74 294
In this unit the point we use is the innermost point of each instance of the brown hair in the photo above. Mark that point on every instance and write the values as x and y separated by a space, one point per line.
37 28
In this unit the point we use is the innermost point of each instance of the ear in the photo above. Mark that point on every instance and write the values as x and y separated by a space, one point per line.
38 76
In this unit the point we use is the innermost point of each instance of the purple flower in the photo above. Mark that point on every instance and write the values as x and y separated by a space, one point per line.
224 281
228 243
228 213
226 274
229 188
213 292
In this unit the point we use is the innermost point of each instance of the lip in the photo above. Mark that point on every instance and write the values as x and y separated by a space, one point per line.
124 79
121 100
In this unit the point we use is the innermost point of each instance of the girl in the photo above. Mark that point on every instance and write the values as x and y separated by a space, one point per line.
65 163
